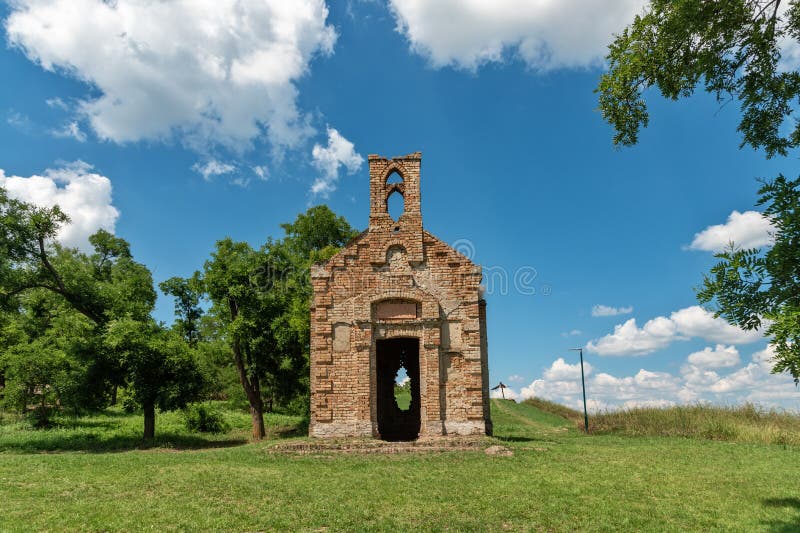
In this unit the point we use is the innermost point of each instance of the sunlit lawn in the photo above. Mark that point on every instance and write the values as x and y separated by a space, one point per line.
557 479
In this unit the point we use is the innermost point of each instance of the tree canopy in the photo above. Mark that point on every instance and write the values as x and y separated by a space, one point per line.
75 326
261 300
732 48
760 288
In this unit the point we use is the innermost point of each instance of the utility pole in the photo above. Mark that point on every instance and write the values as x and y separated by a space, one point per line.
583 385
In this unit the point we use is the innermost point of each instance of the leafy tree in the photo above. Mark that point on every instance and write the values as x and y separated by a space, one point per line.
244 314
314 236
188 294
160 367
261 303
122 344
47 354
731 47
761 287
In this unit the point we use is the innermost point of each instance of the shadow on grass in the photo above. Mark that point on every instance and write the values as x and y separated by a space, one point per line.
781 526
286 432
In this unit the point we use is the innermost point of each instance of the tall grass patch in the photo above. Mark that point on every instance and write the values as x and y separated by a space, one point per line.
745 423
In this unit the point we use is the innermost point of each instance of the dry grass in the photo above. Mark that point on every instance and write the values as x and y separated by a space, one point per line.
557 409
744 423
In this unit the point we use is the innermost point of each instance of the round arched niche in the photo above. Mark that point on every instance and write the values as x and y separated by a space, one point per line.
397 258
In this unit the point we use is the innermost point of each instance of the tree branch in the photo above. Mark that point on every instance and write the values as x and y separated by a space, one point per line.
48 266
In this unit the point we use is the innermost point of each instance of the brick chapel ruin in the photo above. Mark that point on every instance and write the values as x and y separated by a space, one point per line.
396 296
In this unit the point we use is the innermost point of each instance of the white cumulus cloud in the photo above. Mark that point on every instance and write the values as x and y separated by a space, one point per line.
82 194
660 332
329 159
718 357
629 339
560 370
210 71
546 34
695 321
700 380
605 310
750 229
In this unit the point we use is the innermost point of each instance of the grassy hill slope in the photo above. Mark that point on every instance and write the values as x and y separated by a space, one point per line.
557 479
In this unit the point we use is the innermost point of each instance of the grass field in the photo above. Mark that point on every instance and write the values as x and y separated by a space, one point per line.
93 478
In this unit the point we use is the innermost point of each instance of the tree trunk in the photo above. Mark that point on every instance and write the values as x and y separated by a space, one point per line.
149 421
114 395
253 391
258 424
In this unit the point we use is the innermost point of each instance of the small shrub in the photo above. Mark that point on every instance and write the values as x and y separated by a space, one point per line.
204 419
39 417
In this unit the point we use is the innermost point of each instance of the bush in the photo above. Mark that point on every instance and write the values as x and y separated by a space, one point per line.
203 418
39 417
300 405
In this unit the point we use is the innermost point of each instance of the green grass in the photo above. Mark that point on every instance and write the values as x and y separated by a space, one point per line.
114 430
403 397
558 479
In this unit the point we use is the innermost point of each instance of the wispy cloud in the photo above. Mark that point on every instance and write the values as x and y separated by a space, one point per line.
605 310
70 130
212 168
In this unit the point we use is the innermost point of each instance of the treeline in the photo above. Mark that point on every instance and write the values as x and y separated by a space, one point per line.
77 332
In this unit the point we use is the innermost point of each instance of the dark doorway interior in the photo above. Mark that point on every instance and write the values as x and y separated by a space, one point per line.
393 422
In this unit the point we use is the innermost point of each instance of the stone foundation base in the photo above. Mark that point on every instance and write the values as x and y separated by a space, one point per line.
470 427
357 428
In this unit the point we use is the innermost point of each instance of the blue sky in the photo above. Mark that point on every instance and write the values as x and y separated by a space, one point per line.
177 126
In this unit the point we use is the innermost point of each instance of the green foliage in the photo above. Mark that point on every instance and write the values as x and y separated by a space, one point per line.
730 47
25 231
46 356
204 418
760 288
33 374
76 327
187 293
734 49
260 306
316 235
402 395
160 368
56 357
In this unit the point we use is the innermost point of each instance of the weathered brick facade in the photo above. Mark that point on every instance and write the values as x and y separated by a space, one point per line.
398 295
